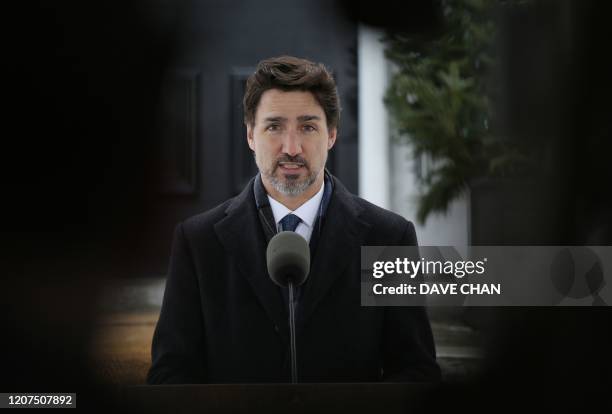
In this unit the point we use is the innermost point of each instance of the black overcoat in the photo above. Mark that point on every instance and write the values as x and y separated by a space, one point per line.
224 321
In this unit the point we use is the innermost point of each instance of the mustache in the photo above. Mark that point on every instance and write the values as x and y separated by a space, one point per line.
288 158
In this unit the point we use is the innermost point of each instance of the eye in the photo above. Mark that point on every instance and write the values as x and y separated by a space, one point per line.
273 127
309 128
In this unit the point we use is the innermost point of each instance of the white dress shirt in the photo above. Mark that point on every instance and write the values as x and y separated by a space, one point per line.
307 212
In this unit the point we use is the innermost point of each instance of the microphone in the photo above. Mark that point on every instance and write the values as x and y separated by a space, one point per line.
288 260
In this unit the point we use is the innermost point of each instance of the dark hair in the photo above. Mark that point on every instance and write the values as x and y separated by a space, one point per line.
289 73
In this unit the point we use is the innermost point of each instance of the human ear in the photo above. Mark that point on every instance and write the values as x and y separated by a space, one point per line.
331 140
250 139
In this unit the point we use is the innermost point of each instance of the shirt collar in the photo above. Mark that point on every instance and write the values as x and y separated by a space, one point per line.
307 212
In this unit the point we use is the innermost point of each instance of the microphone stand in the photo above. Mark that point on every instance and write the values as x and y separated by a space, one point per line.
288 260
294 370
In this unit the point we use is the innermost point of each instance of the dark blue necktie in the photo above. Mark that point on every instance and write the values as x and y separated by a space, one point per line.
290 222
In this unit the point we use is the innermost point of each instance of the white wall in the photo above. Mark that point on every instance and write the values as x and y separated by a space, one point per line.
374 167
386 169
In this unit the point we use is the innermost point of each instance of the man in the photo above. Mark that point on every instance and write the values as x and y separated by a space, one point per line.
223 320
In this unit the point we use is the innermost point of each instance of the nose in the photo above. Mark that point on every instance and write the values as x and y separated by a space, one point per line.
292 144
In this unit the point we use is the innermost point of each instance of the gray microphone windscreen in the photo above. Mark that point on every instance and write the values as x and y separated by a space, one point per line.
288 257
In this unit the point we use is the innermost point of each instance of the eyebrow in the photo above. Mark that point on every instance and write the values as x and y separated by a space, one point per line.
301 118
305 118
275 119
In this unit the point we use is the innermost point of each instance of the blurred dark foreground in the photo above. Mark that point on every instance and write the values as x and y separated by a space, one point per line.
79 176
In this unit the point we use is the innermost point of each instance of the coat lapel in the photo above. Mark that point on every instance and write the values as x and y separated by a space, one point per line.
241 235
341 236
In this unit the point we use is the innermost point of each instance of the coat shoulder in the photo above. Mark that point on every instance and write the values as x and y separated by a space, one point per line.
378 214
195 227
386 224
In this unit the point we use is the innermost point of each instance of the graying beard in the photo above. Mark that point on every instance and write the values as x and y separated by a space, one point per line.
291 187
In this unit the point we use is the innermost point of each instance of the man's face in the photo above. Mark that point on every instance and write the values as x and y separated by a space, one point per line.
290 139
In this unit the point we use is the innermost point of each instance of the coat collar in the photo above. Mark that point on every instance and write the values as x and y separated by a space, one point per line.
342 234
242 236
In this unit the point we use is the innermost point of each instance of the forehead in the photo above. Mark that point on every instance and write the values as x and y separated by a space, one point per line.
288 104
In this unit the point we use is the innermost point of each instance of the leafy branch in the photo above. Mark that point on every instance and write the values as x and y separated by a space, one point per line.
441 100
